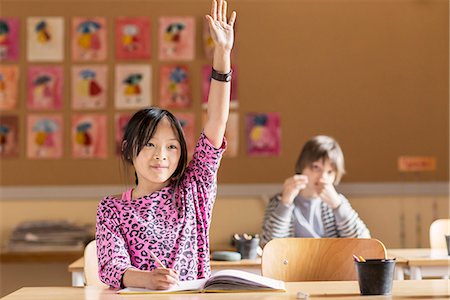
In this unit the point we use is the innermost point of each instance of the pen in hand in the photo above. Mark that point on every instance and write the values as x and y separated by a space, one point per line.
159 263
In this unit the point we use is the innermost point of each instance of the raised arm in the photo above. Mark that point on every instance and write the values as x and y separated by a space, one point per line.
222 33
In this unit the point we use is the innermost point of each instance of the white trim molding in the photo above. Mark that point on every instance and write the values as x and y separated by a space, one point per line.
225 190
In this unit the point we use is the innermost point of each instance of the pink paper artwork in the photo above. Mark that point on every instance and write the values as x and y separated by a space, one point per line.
45 136
89 39
45 87
176 38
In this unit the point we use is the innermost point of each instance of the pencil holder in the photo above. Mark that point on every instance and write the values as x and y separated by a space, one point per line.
375 276
246 245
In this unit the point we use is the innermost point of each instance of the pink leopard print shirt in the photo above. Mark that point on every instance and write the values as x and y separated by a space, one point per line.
172 222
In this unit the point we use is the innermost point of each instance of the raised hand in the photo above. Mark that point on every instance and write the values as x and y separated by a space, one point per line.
292 186
222 31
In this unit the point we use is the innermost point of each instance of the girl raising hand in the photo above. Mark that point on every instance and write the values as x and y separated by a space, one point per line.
156 233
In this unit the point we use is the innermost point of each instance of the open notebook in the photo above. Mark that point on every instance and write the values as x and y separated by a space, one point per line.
224 281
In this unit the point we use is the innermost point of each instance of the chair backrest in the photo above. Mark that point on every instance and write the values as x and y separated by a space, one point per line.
438 230
91 265
311 259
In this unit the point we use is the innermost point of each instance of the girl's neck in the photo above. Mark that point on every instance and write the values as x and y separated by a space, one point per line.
140 190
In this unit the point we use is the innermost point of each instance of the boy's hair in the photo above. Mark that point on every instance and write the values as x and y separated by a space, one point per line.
141 128
322 147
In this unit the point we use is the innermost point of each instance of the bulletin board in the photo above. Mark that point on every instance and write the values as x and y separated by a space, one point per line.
371 73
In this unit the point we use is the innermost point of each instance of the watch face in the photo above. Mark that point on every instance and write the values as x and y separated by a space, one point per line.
228 78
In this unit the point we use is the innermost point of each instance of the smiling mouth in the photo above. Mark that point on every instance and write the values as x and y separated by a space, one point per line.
158 167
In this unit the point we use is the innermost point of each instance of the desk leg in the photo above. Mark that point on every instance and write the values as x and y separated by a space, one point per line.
415 273
399 273
77 278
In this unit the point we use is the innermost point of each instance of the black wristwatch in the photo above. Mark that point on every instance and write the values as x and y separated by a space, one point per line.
221 77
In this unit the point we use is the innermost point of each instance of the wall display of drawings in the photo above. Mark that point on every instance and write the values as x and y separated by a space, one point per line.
263 134
9 80
44 136
9 39
88 136
89 86
89 39
46 109
133 86
9 136
45 38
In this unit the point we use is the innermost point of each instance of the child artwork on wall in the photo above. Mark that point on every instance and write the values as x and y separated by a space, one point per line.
187 121
89 39
176 38
9 133
9 39
133 38
206 80
263 134
9 80
121 121
89 86
45 36
45 87
174 87
133 86
44 136
88 136
231 133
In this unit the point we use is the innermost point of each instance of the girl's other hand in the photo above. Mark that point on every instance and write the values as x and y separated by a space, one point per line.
221 31
292 186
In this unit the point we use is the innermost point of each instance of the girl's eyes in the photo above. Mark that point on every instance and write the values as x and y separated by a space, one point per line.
153 145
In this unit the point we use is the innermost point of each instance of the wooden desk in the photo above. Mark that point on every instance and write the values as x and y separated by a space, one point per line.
422 262
253 266
328 290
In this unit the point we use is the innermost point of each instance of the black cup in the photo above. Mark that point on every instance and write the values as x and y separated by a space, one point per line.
447 239
375 276
247 248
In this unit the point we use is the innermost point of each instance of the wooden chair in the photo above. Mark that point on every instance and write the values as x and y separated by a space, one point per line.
438 230
91 265
313 259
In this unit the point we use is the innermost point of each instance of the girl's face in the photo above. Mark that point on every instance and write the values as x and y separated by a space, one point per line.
158 160
317 171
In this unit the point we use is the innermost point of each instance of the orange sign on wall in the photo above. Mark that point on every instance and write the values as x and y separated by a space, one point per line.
417 163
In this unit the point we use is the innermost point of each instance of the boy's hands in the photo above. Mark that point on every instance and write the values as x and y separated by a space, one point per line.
292 186
222 31
328 193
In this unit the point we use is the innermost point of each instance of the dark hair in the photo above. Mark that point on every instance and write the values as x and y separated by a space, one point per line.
141 128
322 147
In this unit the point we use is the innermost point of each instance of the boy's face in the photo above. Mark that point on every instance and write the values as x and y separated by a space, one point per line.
320 170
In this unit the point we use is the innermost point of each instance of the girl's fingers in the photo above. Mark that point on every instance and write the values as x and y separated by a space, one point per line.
224 11
219 11
232 19
214 9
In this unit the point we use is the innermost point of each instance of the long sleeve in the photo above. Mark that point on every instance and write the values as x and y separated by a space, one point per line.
113 257
277 221
348 223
